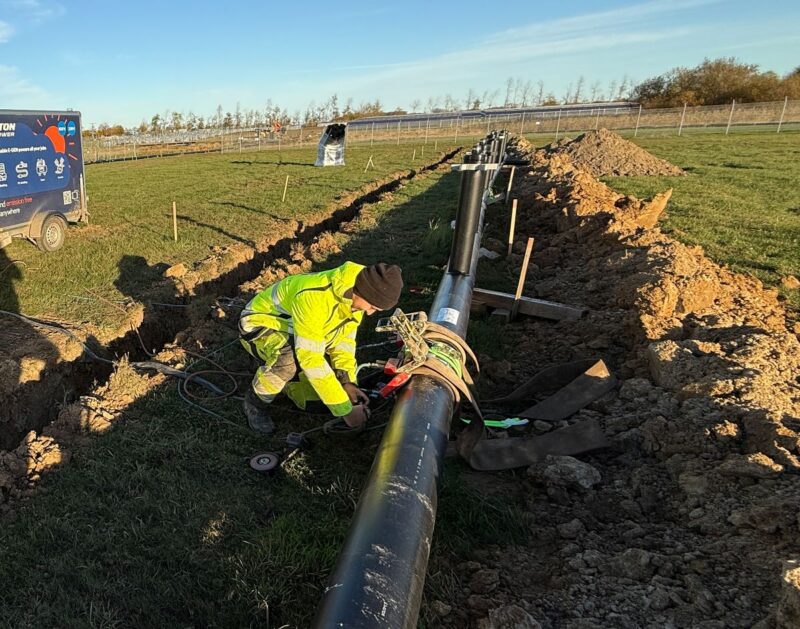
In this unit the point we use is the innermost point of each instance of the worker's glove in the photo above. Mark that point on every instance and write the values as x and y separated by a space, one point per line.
356 395
357 417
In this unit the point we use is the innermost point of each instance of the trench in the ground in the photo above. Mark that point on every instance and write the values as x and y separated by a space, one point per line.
37 403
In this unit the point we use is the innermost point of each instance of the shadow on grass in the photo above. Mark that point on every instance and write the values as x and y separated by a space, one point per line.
248 208
160 522
225 232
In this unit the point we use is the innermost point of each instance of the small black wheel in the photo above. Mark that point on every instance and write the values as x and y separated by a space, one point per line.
53 234
265 462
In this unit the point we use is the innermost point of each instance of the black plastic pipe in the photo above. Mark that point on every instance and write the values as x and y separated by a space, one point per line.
379 577
467 217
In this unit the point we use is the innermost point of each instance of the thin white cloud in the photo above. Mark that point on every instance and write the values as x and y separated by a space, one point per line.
628 27
17 92
637 15
6 31
35 10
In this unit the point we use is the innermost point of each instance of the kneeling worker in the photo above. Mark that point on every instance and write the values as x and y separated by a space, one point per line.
309 322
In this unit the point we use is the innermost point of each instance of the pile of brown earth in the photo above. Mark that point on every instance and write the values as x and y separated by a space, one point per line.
603 153
692 517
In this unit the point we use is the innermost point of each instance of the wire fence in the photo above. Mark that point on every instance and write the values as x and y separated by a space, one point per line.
773 117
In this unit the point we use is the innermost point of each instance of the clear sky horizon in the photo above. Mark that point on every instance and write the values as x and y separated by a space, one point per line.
123 62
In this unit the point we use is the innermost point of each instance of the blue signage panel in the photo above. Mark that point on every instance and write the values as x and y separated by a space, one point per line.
41 161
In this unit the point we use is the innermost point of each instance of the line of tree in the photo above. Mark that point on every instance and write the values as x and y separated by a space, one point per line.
716 82
712 82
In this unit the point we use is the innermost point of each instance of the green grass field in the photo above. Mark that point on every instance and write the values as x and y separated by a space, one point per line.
221 200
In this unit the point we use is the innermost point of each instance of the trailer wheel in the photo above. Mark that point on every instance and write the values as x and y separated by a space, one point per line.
53 233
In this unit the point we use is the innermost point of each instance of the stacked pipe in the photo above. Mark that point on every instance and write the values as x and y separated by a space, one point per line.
380 574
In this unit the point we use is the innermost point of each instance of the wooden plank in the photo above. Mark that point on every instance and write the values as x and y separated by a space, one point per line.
523 272
527 305
511 227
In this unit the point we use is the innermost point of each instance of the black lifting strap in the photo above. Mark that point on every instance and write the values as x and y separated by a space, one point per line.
581 383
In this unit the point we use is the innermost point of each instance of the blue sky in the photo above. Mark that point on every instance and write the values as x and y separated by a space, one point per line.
124 61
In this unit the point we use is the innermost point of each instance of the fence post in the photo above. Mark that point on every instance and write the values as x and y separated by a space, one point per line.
730 117
522 123
427 124
558 124
597 121
780 122
398 132
636 130
683 115
455 137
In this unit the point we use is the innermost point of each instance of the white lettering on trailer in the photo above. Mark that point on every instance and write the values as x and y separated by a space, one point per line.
8 126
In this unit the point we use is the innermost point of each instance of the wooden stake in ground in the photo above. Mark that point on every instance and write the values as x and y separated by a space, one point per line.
175 221
285 186
511 227
522 273
638 116
414 156
730 118
436 145
783 112
369 163
510 182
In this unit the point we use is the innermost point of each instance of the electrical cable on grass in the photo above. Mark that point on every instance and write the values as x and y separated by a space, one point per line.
184 376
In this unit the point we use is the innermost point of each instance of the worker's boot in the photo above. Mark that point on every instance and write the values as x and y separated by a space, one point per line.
257 413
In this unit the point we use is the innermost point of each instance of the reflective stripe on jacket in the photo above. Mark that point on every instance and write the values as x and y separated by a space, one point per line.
314 309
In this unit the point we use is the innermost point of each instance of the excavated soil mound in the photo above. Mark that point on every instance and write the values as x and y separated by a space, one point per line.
603 152
692 517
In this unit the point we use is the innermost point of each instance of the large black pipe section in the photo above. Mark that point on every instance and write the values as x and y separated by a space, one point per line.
379 577
467 217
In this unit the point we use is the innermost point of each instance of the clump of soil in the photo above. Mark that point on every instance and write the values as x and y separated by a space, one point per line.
605 153
692 517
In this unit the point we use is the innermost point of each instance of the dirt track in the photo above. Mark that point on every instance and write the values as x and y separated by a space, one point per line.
692 518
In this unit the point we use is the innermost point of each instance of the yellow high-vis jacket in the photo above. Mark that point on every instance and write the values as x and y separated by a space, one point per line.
313 308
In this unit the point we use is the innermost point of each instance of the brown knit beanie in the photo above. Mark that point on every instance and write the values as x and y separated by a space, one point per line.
380 284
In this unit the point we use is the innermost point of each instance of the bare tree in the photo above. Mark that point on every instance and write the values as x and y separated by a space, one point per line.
470 98
595 92
576 96
567 95
539 92
624 88
509 91
517 90
526 93
491 98
612 88
237 116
